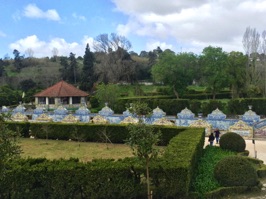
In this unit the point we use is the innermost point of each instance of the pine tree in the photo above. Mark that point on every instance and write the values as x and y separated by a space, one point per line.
87 78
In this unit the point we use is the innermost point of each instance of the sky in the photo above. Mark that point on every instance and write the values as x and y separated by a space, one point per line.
178 25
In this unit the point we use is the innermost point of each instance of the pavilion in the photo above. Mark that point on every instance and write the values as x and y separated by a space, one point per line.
61 93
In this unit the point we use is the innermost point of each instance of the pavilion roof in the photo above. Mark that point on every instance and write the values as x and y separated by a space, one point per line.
62 89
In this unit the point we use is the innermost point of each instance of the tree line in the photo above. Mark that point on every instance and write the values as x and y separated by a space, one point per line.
244 74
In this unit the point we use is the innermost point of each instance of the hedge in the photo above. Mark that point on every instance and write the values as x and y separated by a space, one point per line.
174 106
88 132
171 174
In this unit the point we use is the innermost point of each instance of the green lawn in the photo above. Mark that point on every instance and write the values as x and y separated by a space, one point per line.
84 151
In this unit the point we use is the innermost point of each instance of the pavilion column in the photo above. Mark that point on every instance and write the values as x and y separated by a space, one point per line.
47 101
70 100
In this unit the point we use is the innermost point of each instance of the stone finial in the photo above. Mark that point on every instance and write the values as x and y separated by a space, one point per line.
98 119
163 121
19 117
129 120
186 114
106 111
157 112
70 119
44 118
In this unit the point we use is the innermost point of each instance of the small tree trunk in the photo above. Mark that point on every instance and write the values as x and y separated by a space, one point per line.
148 179
175 92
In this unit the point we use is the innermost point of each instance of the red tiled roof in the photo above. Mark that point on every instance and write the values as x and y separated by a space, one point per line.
62 89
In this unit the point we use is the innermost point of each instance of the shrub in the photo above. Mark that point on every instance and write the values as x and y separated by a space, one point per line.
235 171
233 142
94 102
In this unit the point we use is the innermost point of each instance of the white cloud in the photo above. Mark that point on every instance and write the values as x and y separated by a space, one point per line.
154 44
32 11
194 24
43 48
80 17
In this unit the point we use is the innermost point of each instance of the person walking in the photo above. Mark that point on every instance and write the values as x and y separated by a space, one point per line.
217 135
211 139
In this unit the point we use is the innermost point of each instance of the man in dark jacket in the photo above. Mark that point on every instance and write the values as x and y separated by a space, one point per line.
211 139
217 135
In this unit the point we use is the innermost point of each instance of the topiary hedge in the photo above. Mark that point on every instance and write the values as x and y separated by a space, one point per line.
235 171
233 142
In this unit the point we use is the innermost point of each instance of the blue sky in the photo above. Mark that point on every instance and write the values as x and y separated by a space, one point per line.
67 25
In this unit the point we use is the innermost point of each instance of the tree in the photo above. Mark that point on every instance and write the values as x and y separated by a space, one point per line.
8 147
27 84
29 52
143 139
87 77
65 68
2 67
175 70
105 43
255 68
18 60
107 94
73 68
55 54
237 73
251 41
69 68
115 66
214 62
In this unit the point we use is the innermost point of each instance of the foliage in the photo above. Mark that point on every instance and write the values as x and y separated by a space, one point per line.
27 84
175 70
88 132
18 60
68 68
40 178
182 156
204 180
237 72
87 77
8 147
235 171
94 102
142 139
233 142
107 93
214 63
9 96
170 106
211 106
72 68
140 109
106 43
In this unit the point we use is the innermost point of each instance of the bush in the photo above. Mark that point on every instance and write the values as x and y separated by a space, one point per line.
94 102
233 142
235 171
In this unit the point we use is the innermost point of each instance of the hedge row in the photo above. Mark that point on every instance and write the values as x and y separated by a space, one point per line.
171 174
86 132
174 106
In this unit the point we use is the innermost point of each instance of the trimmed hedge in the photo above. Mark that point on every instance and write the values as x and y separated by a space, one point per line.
116 133
170 106
171 174
174 106
19 127
233 142
236 171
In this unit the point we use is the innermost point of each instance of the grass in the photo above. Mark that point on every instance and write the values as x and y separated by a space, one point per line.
84 151
205 181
